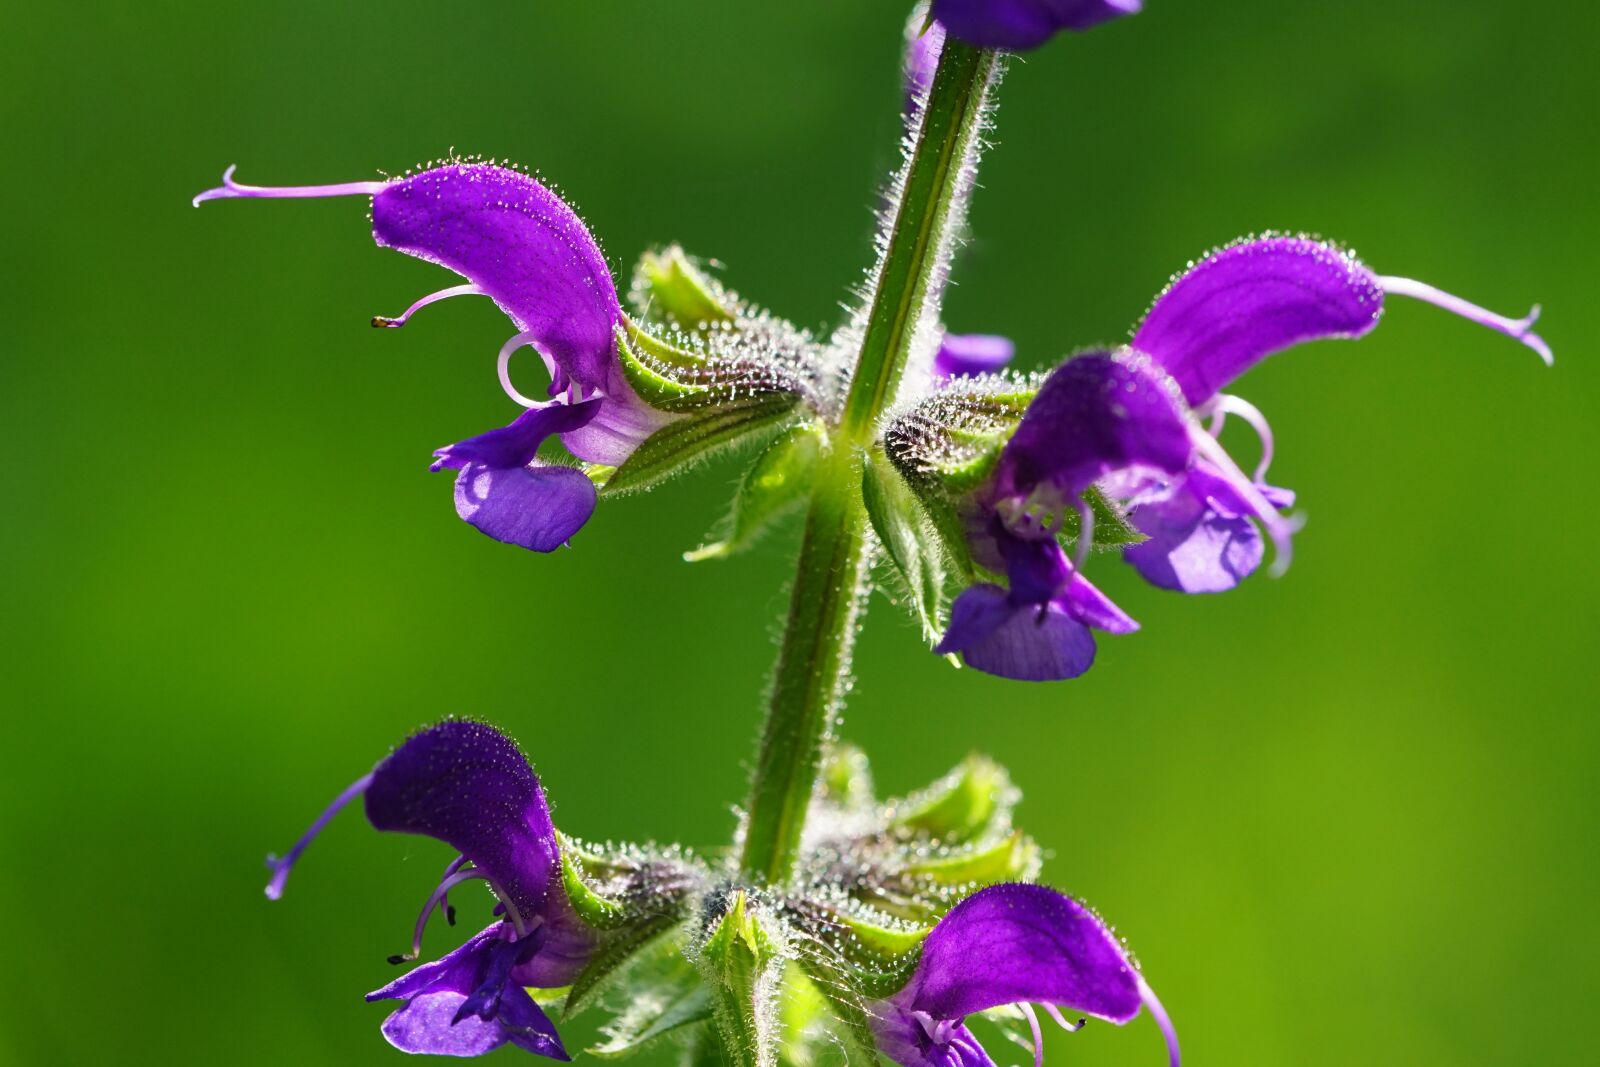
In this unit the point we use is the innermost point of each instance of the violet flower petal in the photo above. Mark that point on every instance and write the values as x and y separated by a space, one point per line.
1022 24
903 1038
1095 414
1200 537
970 354
468 785
423 1025
528 1027
1243 303
923 46
523 246
537 508
1026 642
460 971
1011 944
516 445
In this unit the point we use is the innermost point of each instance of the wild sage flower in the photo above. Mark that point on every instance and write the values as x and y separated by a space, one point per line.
884 925
1018 25
1122 435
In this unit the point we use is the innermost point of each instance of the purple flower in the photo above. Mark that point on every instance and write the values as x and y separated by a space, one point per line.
965 355
1019 25
518 243
468 785
1130 423
500 490
1010 945
1096 415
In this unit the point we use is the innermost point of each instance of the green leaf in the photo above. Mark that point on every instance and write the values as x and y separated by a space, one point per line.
908 537
777 484
664 994
616 949
682 443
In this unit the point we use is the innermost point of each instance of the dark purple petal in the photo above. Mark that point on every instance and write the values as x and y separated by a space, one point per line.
1200 537
424 1025
468 785
461 971
528 1027
970 354
1023 24
566 946
523 246
1240 305
1084 602
516 445
1095 414
1027 642
1011 944
539 508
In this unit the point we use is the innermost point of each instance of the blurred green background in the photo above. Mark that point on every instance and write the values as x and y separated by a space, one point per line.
1346 817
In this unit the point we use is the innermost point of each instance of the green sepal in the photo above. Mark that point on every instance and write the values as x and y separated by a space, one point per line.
968 802
879 957
1111 527
1012 858
846 777
778 483
655 369
665 994
594 909
741 962
909 539
677 291
681 443
616 949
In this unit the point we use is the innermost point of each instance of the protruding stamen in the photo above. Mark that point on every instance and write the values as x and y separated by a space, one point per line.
503 367
1038 1035
1062 1021
281 867
1226 403
451 880
1278 528
400 320
1080 551
1162 1019
1519 329
232 190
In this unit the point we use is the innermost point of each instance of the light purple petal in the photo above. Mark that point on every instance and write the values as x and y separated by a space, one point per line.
1027 642
516 445
523 246
1240 305
611 436
468 785
1010 944
538 508
903 1038
1090 606
567 944
1024 24
1095 414
922 57
1200 540
971 354
425 1025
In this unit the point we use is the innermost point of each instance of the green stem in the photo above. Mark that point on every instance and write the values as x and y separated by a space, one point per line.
829 585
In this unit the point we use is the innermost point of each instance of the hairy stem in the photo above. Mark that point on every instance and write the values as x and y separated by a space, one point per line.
829 587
